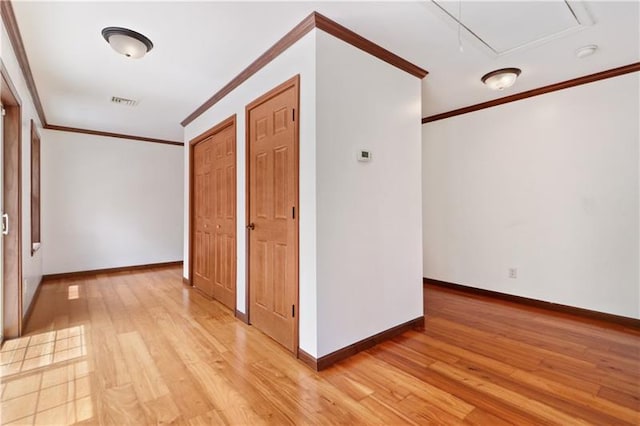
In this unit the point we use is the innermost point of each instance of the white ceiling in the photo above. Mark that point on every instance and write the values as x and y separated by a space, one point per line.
201 46
525 22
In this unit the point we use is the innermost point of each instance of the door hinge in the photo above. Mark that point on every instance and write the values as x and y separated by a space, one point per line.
293 212
293 114
293 311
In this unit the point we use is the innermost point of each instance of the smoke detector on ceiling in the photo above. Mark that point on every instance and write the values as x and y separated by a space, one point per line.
123 101
585 51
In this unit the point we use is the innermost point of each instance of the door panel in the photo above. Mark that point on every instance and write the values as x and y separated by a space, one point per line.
280 304
281 191
214 214
273 196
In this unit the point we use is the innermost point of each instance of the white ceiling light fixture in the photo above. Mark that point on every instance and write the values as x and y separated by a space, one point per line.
501 79
127 42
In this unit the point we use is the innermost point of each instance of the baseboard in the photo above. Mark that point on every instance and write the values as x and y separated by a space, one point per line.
580 312
76 274
308 360
242 317
328 360
186 281
27 314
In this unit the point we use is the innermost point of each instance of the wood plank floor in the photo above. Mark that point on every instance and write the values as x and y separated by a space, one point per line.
139 348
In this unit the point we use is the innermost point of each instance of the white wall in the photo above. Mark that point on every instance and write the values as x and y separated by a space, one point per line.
548 185
31 265
109 202
368 214
298 59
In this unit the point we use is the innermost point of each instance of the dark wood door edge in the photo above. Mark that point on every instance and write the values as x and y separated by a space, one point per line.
13 202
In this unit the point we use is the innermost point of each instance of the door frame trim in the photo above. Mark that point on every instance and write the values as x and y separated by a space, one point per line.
295 83
15 102
224 124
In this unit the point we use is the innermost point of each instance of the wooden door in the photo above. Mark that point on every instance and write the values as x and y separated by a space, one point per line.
224 217
272 214
11 206
214 213
203 244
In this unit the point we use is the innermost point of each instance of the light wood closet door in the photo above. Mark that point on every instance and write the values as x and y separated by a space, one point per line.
273 195
224 217
203 244
214 213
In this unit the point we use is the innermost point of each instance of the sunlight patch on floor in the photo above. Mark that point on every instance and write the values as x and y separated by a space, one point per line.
59 394
72 292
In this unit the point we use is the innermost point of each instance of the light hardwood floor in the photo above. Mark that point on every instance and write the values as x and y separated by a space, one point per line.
139 348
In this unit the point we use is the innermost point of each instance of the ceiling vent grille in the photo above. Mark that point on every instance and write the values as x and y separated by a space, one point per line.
124 101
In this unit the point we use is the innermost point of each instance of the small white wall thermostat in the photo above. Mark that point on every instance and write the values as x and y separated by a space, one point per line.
364 155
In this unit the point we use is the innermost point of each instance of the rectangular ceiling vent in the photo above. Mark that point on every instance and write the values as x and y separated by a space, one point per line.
124 101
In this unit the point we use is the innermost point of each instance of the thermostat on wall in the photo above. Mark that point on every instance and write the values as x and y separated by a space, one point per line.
364 155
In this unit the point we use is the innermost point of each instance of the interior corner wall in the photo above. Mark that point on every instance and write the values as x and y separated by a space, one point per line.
31 264
109 202
548 185
369 248
297 59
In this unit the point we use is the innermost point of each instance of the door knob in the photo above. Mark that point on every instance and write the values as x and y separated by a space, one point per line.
251 226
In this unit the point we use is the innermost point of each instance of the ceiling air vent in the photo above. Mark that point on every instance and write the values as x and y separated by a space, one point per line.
123 101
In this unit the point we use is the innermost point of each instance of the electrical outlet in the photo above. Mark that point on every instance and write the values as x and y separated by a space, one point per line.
513 272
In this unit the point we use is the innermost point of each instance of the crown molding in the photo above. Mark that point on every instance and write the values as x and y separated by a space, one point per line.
111 135
614 72
314 20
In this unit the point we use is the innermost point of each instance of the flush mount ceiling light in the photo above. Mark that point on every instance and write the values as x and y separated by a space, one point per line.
501 79
127 42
